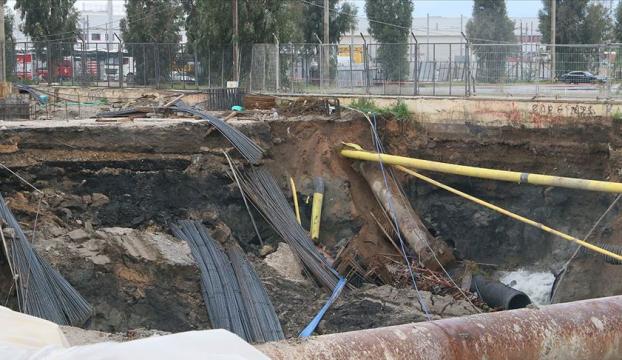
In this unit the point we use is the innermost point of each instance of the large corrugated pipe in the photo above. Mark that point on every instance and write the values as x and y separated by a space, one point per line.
589 329
498 295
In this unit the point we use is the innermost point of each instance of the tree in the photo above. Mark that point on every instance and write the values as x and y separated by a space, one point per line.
342 19
52 24
598 26
490 24
389 23
9 38
617 27
577 22
151 31
210 30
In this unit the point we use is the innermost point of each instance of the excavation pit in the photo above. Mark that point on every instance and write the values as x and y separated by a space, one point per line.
112 190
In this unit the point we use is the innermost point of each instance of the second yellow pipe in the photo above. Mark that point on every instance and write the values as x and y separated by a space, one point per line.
510 214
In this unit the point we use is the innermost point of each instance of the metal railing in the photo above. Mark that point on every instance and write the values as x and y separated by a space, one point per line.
441 69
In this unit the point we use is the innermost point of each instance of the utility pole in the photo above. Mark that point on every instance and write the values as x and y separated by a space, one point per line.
236 39
326 47
2 47
110 30
553 35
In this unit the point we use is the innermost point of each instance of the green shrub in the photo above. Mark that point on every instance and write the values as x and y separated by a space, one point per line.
400 111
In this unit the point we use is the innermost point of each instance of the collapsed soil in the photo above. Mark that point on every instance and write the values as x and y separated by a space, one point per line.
112 191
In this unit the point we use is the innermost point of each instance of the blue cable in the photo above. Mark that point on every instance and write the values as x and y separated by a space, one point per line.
309 329
379 150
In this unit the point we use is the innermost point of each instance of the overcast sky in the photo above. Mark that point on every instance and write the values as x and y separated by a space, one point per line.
516 8
451 8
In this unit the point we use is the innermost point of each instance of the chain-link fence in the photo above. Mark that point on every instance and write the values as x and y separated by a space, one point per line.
381 69
443 69
156 65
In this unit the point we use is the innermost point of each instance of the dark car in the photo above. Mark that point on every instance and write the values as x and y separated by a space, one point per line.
576 77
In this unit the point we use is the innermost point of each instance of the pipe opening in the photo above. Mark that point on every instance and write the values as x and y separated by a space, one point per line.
518 301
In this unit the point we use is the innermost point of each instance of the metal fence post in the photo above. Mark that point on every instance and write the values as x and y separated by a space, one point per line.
73 64
263 78
222 68
450 74
321 66
196 67
277 62
107 71
434 69
209 68
365 63
291 75
351 71
49 63
121 64
467 70
416 66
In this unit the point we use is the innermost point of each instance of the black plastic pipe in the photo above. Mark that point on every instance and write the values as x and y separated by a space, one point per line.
498 295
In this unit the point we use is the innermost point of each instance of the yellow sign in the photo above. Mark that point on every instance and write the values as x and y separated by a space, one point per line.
357 53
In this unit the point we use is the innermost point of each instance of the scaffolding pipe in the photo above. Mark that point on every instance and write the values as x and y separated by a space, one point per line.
589 329
484 173
510 214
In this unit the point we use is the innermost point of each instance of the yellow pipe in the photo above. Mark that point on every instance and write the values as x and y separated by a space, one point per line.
292 186
511 176
510 214
316 209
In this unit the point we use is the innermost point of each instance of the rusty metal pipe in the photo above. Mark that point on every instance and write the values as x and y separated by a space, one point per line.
588 329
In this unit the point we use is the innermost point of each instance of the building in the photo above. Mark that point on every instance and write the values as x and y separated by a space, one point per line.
440 36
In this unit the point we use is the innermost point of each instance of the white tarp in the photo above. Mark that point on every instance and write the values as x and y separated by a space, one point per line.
23 337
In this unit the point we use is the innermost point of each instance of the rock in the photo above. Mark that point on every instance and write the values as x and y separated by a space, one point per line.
376 306
65 213
266 249
221 232
53 231
86 199
98 199
71 201
78 235
285 263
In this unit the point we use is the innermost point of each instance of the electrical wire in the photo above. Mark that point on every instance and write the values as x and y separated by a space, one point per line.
378 145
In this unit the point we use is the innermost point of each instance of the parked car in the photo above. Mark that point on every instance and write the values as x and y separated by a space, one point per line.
577 77
182 77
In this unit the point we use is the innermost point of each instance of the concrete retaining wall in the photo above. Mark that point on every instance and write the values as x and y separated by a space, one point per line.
474 111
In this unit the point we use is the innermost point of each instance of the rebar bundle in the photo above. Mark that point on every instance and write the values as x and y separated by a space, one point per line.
265 193
249 149
234 296
41 290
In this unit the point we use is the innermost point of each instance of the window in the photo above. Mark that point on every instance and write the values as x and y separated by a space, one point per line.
96 36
